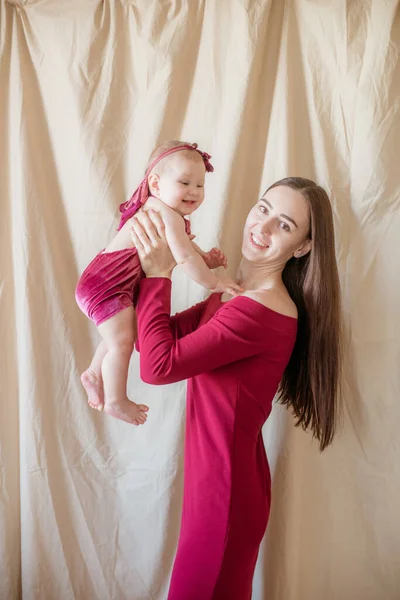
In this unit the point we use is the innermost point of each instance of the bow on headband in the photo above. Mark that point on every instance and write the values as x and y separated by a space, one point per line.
206 157
140 195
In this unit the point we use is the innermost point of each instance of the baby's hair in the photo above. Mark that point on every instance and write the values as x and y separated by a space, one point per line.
190 154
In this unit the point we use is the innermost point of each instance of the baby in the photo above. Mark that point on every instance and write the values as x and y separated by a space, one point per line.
106 292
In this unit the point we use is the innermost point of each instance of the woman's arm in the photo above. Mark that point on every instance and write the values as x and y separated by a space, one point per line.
238 330
184 322
233 334
187 321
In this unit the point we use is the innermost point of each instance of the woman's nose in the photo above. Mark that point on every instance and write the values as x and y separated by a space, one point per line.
266 225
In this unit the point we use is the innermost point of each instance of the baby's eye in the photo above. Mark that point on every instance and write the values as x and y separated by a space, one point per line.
184 182
200 186
284 226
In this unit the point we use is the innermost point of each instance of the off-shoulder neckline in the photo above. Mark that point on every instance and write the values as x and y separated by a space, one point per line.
259 304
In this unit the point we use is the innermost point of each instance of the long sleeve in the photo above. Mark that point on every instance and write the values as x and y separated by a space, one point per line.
187 321
183 322
233 334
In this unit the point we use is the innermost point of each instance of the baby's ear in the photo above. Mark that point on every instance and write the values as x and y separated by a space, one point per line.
153 183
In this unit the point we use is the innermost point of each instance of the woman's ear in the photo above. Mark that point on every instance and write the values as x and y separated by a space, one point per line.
305 249
153 183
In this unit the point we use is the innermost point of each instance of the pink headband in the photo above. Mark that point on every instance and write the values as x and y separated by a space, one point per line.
140 195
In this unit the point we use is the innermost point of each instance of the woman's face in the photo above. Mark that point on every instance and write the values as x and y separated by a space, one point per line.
277 227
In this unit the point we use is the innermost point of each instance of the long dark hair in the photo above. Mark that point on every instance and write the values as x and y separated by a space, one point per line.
311 382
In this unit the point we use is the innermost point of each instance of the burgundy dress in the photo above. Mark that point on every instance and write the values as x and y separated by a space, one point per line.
234 355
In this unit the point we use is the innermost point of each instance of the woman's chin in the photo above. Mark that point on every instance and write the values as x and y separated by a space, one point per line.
254 254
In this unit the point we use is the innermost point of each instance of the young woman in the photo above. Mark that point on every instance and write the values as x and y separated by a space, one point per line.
282 335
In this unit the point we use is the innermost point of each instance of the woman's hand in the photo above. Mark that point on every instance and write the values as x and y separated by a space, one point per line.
148 235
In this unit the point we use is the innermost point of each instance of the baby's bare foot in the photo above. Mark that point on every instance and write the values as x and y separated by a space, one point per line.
127 411
94 388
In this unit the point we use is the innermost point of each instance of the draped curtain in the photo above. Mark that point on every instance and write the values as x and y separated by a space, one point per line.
90 507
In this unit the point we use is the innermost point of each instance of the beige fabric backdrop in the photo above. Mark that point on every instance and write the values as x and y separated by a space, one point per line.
90 507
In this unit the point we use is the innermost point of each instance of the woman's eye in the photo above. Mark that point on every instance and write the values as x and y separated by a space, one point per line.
263 209
284 226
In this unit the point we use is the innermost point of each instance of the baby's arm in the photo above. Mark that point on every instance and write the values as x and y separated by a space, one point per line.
198 249
214 258
185 252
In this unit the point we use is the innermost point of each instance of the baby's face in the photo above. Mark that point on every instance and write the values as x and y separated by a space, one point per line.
181 183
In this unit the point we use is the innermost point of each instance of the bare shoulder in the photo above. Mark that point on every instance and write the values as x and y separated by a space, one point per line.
277 300
154 204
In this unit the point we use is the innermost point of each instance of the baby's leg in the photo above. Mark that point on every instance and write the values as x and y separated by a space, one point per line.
119 335
92 379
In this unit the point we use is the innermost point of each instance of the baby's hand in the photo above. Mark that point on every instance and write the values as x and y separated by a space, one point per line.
215 258
225 284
